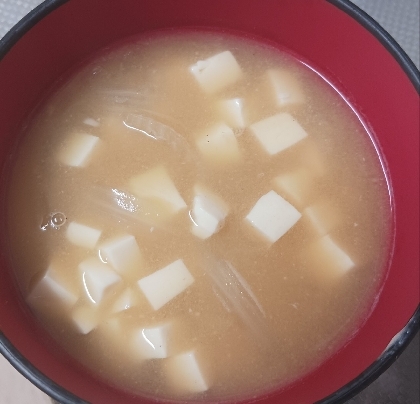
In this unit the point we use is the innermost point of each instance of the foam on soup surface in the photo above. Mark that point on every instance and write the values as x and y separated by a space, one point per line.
198 216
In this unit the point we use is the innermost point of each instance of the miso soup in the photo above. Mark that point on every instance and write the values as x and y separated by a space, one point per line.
198 216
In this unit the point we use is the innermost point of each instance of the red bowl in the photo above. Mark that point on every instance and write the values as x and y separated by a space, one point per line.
334 37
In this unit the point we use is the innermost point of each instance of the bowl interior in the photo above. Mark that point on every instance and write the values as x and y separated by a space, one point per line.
318 32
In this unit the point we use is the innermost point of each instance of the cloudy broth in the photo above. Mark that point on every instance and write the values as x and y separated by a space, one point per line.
198 216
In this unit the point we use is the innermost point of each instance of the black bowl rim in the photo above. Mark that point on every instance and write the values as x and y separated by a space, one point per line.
396 346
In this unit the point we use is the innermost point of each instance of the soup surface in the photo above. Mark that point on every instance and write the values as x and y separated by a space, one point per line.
198 216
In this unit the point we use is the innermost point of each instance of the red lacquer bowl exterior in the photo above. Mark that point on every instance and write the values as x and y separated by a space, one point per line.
336 39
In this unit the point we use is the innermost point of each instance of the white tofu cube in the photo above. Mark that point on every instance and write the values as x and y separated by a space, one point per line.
208 213
85 319
216 72
91 122
231 112
50 290
156 184
322 217
77 150
286 87
218 145
97 278
82 236
122 253
273 216
278 132
123 302
150 343
185 374
163 285
327 259
296 186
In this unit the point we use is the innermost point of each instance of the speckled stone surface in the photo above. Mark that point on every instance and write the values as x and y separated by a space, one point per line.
400 18
400 383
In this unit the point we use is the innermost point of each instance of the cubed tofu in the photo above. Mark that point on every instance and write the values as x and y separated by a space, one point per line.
278 132
91 122
285 87
216 72
296 185
156 184
97 278
151 342
219 146
77 150
85 319
185 374
123 302
322 217
81 235
122 253
273 216
208 213
232 112
163 285
50 290
327 259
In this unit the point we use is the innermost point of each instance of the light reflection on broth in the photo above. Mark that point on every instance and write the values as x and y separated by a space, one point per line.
198 216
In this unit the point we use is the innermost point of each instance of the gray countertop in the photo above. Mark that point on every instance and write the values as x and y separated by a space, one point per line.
400 383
